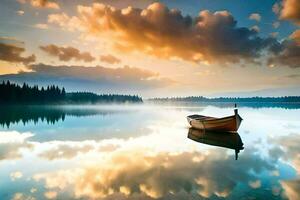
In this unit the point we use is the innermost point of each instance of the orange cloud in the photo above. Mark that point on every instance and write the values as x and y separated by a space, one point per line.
67 53
288 10
166 33
41 3
130 172
292 188
296 36
109 59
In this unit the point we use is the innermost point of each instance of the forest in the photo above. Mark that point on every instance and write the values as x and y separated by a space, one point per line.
201 99
11 93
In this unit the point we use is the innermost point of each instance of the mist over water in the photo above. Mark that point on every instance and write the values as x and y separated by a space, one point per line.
146 152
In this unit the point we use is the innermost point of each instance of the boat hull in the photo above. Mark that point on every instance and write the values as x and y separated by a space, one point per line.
231 123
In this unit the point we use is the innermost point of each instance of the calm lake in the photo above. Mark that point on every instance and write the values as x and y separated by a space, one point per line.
145 152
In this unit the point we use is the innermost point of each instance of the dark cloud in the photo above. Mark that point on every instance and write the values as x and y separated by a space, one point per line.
67 53
52 4
97 79
13 53
110 59
296 36
293 76
286 54
166 33
94 73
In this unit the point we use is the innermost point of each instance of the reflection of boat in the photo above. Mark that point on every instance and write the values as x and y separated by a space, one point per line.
222 139
231 123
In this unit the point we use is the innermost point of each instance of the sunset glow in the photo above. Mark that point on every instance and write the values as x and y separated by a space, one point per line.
193 48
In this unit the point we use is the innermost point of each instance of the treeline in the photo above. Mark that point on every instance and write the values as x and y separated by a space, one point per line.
88 97
15 94
201 99
11 93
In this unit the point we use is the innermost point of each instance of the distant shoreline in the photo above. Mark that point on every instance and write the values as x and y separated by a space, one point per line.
291 102
13 94
201 99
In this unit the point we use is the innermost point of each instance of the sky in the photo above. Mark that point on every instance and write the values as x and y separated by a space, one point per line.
153 48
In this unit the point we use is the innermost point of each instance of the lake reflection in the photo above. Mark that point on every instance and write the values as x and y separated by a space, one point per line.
142 152
230 140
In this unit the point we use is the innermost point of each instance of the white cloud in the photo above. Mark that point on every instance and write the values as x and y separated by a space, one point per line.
16 175
255 16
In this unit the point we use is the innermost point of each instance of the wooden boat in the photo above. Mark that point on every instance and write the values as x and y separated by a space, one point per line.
231 123
228 140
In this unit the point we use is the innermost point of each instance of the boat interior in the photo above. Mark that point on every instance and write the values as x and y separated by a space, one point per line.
201 117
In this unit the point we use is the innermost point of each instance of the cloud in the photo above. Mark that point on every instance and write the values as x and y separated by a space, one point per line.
255 16
134 172
255 28
274 34
67 53
94 73
255 184
41 3
110 59
288 10
65 152
50 194
289 151
16 175
276 24
21 196
13 53
20 12
98 79
287 54
33 190
66 22
292 188
293 76
296 36
12 143
276 8
12 151
144 168
41 26
166 33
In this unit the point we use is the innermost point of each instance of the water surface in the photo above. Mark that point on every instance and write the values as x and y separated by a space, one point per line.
144 152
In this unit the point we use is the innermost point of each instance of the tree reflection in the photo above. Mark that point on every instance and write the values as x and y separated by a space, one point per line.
49 114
